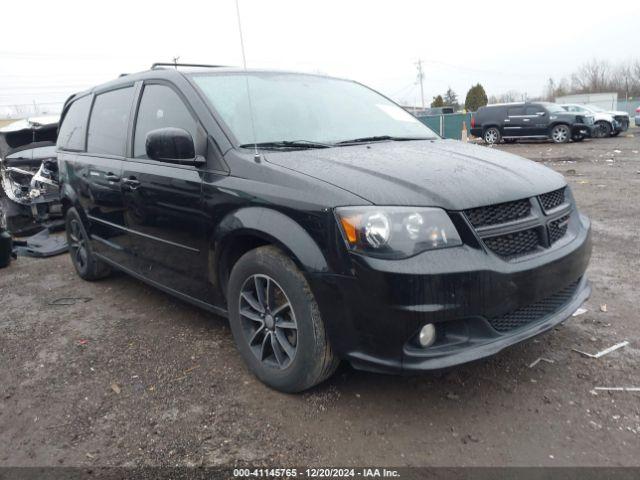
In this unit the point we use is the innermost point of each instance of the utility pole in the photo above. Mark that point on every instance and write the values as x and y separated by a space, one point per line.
420 77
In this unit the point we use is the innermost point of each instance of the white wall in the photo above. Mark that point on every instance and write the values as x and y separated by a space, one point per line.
608 101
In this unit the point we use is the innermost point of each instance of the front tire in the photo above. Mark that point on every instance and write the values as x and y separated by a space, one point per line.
82 256
603 129
276 322
491 136
560 134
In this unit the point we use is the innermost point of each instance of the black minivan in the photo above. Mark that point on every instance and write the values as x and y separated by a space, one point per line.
320 217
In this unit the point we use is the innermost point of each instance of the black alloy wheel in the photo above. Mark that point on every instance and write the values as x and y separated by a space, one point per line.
269 321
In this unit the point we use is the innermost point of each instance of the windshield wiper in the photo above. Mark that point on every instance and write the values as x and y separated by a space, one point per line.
380 138
287 144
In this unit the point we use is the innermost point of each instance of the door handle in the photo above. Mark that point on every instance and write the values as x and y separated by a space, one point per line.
132 182
112 177
526 119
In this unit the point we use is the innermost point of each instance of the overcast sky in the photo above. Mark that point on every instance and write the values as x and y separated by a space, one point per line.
54 48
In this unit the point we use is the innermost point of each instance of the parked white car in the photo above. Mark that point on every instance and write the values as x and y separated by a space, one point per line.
608 123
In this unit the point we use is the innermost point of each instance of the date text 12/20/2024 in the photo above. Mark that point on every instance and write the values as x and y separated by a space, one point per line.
315 473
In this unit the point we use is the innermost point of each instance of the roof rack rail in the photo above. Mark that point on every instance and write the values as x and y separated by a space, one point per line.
158 65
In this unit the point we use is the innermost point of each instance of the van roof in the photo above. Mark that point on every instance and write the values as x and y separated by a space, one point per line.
169 72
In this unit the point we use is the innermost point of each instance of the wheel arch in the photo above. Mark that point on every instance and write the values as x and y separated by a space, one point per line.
243 230
491 125
604 120
560 122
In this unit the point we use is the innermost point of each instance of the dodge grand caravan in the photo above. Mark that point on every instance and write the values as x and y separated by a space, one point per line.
321 218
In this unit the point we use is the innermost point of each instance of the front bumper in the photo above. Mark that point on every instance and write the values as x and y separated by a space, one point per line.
582 129
621 123
374 315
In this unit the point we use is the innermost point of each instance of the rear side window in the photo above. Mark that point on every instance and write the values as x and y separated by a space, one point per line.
533 110
160 107
109 122
74 124
515 111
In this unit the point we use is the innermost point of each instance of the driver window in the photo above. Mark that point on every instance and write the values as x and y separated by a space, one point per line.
160 107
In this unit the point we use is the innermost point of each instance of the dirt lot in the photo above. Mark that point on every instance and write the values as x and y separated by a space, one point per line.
134 377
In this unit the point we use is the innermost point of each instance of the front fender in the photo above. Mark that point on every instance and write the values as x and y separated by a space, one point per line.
274 227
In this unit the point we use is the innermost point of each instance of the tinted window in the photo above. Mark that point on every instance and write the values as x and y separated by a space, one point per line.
160 107
108 124
532 110
515 111
72 130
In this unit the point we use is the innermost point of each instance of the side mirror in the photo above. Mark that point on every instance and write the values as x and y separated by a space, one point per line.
171 144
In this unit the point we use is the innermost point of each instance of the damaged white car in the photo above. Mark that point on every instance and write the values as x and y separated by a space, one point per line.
29 197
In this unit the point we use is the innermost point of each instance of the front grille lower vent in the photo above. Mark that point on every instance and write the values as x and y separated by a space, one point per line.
552 200
500 213
514 244
535 311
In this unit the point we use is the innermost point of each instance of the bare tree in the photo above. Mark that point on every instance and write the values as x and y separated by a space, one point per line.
550 91
593 76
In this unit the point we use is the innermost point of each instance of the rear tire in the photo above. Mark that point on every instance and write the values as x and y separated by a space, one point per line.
82 256
560 133
491 136
615 133
603 129
578 138
280 334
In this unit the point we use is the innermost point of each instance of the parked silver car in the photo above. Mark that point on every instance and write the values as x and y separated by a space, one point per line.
608 123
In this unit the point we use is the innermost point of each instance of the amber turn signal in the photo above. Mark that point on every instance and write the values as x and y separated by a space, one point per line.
349 227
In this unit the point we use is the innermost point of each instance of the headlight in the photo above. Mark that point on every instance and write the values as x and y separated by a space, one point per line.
396 232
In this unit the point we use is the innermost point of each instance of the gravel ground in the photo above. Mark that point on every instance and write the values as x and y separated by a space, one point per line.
135 377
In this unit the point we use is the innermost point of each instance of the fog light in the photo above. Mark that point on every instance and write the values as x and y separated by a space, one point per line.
427 335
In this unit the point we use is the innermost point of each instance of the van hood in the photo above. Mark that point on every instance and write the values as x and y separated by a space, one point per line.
443 173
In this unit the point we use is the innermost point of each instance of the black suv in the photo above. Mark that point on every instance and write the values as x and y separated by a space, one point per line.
542 120
321 218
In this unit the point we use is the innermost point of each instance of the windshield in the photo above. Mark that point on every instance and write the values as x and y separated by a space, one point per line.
297 107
